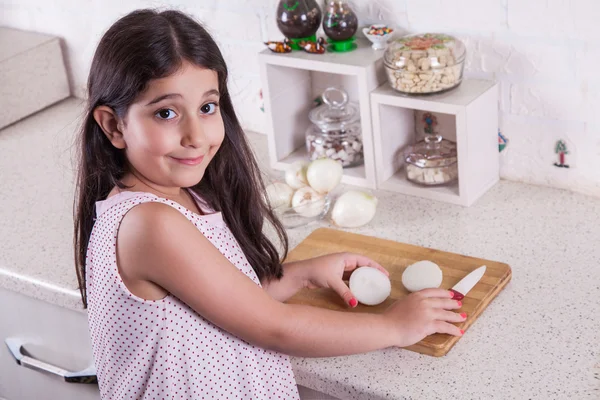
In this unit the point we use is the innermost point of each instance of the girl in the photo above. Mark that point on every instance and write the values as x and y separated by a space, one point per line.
185 293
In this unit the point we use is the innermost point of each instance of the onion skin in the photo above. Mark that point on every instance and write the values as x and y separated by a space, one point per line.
279 194
324 174
295 175
307 202
354 209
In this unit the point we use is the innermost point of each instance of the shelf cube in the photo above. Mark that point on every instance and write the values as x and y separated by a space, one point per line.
470 113
292 81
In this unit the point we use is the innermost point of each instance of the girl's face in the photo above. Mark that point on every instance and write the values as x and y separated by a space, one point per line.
174 129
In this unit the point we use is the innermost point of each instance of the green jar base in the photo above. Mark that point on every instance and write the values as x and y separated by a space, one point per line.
295 42
341 46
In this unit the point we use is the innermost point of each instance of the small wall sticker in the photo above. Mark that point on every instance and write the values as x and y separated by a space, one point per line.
262 102
561 150
502 141
430 122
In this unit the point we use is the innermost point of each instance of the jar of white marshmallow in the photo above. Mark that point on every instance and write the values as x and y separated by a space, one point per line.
336 131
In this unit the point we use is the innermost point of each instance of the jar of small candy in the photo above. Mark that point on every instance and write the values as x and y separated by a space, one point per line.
336 131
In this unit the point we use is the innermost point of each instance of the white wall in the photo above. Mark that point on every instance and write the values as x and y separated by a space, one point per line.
545 54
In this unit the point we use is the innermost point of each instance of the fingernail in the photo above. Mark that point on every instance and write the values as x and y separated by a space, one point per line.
462 332
459 303
464 315
451 294
353 302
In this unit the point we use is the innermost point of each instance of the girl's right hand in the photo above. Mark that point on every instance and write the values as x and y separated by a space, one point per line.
424 313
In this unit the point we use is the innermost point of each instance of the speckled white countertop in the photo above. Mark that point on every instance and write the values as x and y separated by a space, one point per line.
539 339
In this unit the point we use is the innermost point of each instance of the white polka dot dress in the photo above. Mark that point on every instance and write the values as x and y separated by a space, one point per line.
162 349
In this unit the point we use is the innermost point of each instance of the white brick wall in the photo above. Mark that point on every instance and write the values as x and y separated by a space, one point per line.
555 18
473 15
544 53
552 101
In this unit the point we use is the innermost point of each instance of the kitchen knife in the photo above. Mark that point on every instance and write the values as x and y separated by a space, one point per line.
463 287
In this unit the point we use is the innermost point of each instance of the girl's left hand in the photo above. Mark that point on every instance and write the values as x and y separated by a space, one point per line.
331 270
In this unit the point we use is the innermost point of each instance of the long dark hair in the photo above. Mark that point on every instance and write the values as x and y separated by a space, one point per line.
145 45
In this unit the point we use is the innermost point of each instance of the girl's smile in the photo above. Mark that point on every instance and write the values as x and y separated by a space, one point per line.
189 161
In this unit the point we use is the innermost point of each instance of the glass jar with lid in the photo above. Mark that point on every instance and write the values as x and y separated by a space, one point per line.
425 63
299 20
336 131
432 161
340 23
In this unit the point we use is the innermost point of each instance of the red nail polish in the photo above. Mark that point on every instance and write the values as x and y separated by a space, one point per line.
451 294
464 315
459 303
462 332
353 302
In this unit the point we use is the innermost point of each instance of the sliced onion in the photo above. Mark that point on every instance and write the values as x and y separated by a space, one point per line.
370 286
422 275
353 209
324 174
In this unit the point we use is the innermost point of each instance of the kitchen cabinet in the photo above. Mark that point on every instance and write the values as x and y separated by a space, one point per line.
57 336
51 334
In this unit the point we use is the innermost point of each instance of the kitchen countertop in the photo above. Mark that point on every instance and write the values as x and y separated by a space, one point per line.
539 339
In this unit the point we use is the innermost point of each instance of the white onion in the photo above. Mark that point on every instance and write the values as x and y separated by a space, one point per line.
279 194
422 275
353 209
307 202
324 174
370 286
295 175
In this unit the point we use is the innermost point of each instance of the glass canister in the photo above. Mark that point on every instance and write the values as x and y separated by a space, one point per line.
425 63
432 161
336 131
340 24
299 20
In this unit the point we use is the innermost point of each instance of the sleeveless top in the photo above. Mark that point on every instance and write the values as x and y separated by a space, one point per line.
163 349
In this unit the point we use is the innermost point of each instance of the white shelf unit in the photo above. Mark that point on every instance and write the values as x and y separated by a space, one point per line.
292 81
472 106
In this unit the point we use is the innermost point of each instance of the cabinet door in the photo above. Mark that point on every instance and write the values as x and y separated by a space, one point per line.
50 334
310 394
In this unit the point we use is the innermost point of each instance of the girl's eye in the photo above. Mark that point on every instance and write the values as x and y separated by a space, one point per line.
209 108
166 114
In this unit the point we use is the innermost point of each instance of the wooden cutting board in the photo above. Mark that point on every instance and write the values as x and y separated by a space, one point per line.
395 257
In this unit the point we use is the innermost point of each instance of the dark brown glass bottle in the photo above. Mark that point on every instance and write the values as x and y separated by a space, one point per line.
340 22
298 19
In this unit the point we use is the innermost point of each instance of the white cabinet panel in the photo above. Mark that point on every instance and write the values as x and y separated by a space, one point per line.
51 334
310 394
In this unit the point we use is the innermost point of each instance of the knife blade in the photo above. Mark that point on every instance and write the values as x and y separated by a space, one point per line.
467 283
